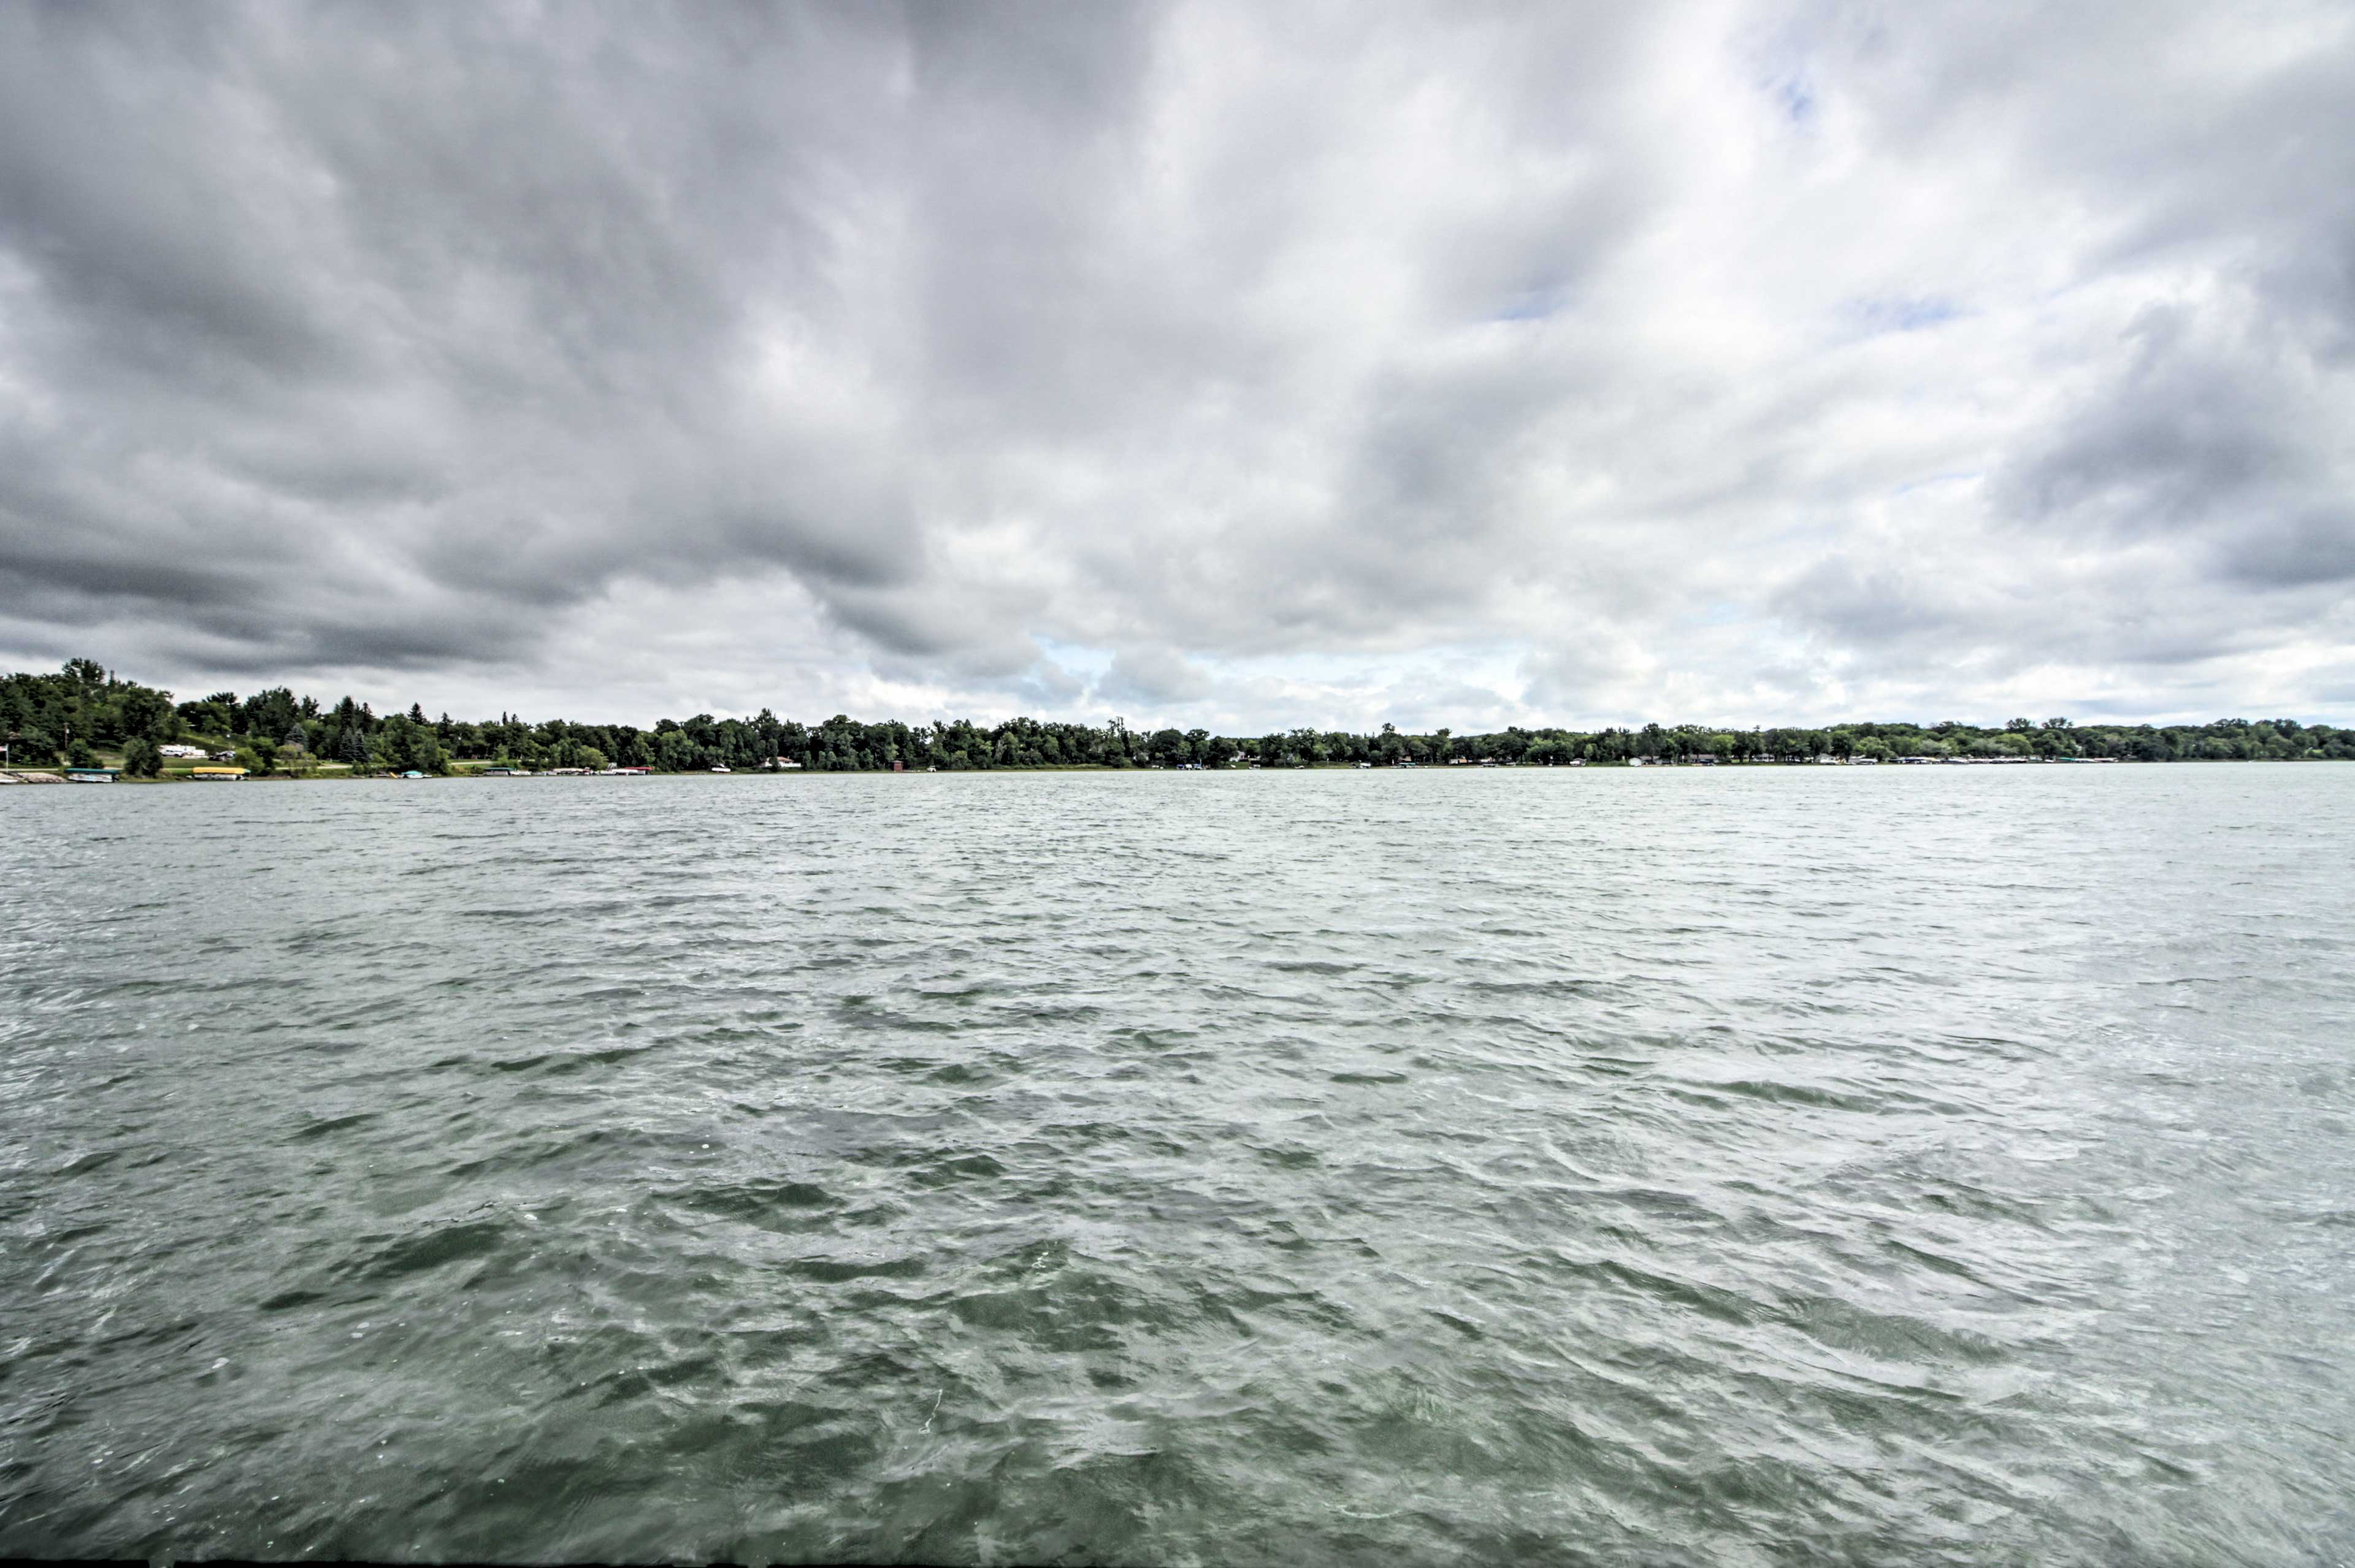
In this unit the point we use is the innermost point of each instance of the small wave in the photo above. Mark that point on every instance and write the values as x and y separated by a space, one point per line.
436 1245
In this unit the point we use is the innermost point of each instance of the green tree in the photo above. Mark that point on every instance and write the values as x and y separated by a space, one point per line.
141 759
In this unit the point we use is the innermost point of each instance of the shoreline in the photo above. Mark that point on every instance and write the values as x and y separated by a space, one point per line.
42 777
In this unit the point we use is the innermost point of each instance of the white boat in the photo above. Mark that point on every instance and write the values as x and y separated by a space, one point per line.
723 768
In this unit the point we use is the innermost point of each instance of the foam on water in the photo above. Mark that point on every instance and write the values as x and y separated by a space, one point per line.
1759 1166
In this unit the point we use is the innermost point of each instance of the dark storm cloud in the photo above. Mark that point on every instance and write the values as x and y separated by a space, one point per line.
1625 361
450 287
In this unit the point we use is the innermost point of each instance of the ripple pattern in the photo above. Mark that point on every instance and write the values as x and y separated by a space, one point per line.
1826 1166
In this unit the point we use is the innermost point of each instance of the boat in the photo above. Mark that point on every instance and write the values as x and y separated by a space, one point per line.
722 768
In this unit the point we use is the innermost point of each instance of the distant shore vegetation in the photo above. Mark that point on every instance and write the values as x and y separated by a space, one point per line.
84 716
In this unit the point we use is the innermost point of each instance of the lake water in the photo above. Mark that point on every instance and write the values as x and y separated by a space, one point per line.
1770 1165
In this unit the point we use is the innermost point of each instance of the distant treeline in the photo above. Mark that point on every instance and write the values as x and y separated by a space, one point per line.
83 710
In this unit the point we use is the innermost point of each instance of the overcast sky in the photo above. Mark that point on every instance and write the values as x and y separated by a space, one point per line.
1241 365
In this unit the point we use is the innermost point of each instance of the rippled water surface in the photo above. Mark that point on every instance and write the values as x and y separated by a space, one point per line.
1805 1164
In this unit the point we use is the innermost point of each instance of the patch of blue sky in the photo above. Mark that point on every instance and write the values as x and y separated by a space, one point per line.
1077 657
1538 302
1900 314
